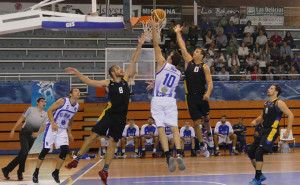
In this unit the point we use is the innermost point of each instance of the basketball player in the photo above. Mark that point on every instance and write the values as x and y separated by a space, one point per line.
163 104
58 131
270 119
34 117
114 115
149 136
187 135
131 137
197 75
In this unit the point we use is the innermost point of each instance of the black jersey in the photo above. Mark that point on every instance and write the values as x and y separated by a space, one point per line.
271 115
118 95
195 80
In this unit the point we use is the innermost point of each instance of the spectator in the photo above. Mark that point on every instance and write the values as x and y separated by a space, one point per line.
269 73
243 22
206 25
275 53
280 71
259 74
131 137
240 131
235 19
219 28
231 29
233 60
220 62
149 136
276 38
185 31
208 60
171 33
230 49
172 48
248 75
189 47
259 28
262 64
243 51
187 135
233 39
224 134
293 71
234 74
223 74
249 28
211 50
221 41
193 34
284 59
267 52
295 62
289 39
213 72
209 38
256 51
224 21
254 73
286 49
251 61
261 39
248 40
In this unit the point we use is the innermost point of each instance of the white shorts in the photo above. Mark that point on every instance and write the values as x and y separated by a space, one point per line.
105 142
164 111
130 142
223 140
188 142
170 136
149 141
59 137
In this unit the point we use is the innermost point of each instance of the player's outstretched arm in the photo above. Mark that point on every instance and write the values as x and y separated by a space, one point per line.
86 80
20 120
258 120
130 69
52 108
209 83
158 55
282 106
185 54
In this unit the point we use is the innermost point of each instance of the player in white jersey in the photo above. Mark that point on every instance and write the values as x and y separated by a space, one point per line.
163 104
58 131
131 137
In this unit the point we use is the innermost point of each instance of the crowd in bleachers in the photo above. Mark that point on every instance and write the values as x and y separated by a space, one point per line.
235 47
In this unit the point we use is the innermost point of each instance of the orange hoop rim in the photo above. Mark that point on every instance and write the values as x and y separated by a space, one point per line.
142 20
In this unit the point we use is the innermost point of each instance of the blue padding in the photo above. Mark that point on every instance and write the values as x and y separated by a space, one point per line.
82 25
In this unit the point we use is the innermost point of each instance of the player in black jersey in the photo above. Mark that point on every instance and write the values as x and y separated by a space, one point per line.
197 75
114 115
270 119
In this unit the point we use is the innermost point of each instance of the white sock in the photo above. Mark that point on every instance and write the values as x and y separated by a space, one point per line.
217 148
154 150
104 151
233 148
123 150
136 150
144 149
116 150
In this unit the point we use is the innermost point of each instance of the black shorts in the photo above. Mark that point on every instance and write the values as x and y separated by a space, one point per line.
198 107
113 121
266 140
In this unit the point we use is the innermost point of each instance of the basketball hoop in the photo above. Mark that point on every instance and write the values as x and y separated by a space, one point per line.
145 21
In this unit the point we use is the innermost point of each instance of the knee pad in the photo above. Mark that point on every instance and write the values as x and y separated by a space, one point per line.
43 153
259 155
64 151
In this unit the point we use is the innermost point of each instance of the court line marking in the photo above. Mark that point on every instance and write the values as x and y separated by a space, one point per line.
144 182
89 167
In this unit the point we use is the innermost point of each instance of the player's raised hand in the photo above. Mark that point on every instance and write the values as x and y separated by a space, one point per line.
142 38
253 123
152 23
177 28
150 85
12 133
71 70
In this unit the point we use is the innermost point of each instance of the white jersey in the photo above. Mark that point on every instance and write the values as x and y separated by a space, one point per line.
65 113
166 81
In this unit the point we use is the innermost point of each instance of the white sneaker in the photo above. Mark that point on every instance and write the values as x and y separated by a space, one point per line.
180 163
204 151
210 141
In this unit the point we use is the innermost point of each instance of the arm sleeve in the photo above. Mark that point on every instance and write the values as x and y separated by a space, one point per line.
125 131
27 112
137 131
192 132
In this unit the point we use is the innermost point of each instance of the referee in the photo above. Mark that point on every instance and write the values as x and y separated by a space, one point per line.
34 117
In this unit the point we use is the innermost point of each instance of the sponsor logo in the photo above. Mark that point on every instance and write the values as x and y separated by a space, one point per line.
70 24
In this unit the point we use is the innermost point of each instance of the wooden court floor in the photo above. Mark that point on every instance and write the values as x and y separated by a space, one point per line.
279 168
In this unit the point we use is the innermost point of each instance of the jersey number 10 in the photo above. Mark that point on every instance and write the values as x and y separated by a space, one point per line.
169 80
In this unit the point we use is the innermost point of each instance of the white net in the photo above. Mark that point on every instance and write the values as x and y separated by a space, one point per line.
148 28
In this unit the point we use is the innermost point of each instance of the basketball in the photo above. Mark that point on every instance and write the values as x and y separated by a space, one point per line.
158 15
